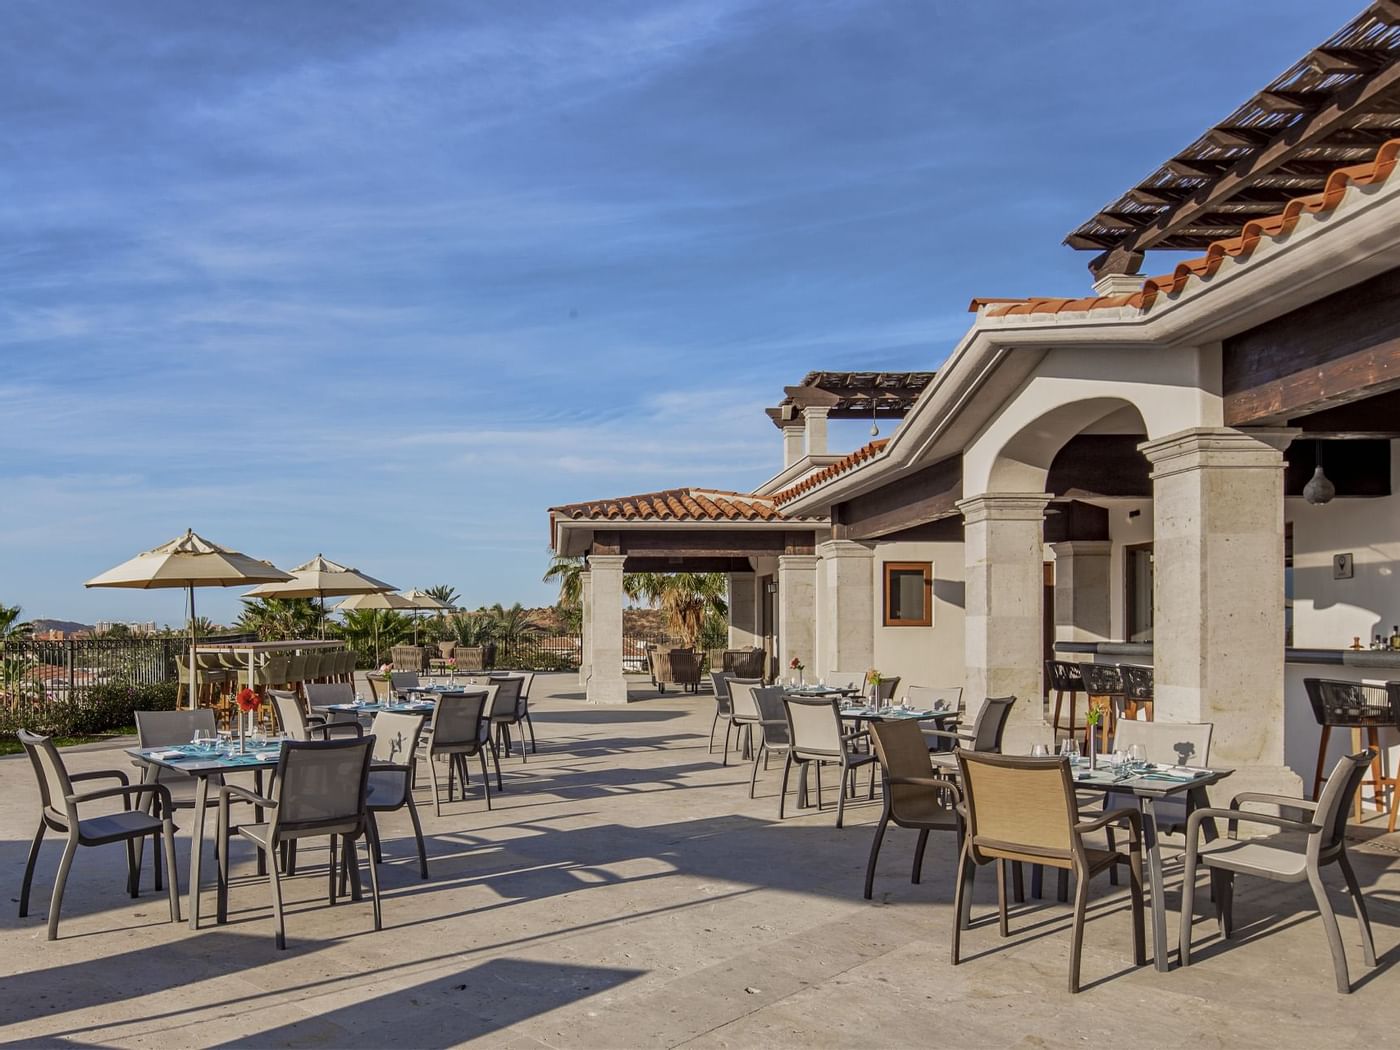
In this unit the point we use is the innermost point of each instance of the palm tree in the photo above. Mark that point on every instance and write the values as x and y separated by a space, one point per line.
443 593
277 619
11 627
568 570
371 631
687 598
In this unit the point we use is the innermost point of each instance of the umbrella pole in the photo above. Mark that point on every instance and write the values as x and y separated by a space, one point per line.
194 684
322 595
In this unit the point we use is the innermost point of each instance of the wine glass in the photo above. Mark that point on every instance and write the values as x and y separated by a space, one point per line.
1138 755
1040 751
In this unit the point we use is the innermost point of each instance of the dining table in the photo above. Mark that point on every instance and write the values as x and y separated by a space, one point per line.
204 762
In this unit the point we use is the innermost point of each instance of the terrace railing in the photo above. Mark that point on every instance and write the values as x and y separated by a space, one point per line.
36 669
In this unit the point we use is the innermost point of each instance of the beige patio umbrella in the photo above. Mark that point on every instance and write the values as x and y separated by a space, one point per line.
318 578
189 561
379 600
423 600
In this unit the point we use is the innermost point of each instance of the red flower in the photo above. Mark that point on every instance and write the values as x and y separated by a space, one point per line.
248 700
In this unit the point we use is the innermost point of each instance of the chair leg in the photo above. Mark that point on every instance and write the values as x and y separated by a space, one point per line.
875 853
728 728
530 722
485 776
156 865
496 761
60 881
418 836
29 869
372 838
962 898
274 880
173 881
819 784
1076 944
840 797
919 856
432 772
1188 900
782 795
1112 848
1368 946
1334 934
1222 889
1139 912
330 872
133 877
753 777
714 724
1001 898
1321 761
373 886
1055 722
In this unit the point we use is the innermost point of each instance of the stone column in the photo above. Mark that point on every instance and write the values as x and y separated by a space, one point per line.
585 667
1083 602
606 684
815 422
1218 595
743 611
1003 624
794 442
846 619
797 612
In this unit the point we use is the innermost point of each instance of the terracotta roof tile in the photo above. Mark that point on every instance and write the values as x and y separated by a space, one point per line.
674 505
850 462
1240 247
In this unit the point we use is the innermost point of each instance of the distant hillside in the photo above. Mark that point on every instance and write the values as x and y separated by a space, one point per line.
66 626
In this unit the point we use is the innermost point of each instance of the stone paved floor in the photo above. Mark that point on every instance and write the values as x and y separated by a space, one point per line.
625 892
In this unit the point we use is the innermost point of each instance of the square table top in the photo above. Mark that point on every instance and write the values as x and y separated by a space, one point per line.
1159 782
896 714
186 758
422 707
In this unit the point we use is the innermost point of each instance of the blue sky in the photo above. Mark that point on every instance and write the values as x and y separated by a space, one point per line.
387 280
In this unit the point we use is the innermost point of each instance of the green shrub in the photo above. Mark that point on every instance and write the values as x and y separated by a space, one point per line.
96 710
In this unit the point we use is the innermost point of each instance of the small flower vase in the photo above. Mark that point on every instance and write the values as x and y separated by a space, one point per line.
242 742
800 679
875 697
1093 747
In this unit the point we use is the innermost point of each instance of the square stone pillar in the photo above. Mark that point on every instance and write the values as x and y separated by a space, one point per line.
814 420
605 684
1083 601
1003 624
585 666
845 632
1218 595
794 442
743 610
797 613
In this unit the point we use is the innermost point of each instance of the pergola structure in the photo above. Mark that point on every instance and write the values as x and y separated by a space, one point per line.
1333 107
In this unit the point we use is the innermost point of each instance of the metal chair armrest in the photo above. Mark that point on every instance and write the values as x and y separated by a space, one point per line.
232 792
1233 816
1113 816
161 792
1287 801
99 774
946 786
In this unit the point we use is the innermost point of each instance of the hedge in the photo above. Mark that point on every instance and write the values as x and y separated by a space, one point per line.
98 709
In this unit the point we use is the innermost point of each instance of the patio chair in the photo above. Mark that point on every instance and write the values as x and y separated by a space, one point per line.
403 682
772 728
408 658
988 728
1024 810
320 790
299 726
719 682
914 797
1137 696
816 737
731 686
460 730
887 687
470 657
745 663
1362 708
929 698
505 711
60 808
1065 678
1296 855
522 712
391 775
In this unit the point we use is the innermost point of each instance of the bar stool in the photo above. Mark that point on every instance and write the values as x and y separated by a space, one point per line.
1103 685
1137 691
1064 677
1359 707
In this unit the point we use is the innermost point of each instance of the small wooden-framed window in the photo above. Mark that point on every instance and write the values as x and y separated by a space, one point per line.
908 594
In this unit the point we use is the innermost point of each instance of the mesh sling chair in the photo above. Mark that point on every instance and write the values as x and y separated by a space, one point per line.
937 698
1297 854
1024 810
461 729
402 682
60 808
772 728
719 681
725 710
505 711
391 775
988 728
914 797
297 725
816 736
320 790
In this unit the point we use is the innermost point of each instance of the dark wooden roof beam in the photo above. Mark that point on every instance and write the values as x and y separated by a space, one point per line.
1387 11
1238 138
1332 60
1196 168
1157 197
1289 101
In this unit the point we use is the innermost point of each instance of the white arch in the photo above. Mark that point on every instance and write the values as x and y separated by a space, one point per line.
1070 391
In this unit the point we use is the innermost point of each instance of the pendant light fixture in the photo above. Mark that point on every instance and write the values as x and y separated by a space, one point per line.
1319 489
874 426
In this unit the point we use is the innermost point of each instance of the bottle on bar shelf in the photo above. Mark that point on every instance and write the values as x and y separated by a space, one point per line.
1395 637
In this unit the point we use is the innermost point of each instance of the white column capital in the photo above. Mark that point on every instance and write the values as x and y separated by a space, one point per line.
831 549
1220 447
1081 548
604 562
1004 506
789 562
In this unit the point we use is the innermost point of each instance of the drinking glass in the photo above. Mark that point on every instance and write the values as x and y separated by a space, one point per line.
1040 751
1070 749
1138 754
1120 759
203 739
